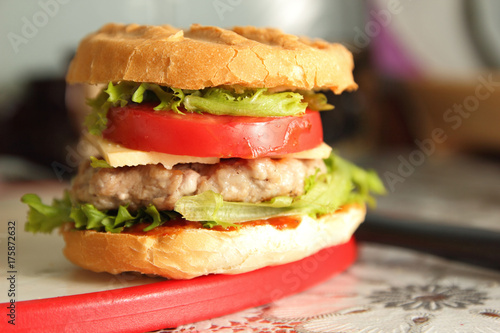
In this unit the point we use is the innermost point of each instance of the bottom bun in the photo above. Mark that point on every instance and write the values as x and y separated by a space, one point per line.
187 252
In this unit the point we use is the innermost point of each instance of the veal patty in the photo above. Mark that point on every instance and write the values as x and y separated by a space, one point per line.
254 180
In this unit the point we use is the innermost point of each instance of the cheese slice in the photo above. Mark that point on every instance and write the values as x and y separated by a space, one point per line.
322 151
119 156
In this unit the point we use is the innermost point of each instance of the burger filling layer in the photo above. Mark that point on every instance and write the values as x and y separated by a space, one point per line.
238 180
226 193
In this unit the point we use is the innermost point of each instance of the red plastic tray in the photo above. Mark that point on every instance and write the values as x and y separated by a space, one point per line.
172 303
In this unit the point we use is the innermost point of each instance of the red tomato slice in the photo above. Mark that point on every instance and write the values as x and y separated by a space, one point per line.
138 127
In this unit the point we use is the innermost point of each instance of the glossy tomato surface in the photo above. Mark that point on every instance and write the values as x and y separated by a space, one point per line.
138 127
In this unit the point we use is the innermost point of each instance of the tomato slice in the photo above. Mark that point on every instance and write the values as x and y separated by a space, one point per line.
137 126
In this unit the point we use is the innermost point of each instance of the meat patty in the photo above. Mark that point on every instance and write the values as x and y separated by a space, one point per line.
240 180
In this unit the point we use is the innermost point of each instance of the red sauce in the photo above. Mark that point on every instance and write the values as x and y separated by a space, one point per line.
279 222
178 225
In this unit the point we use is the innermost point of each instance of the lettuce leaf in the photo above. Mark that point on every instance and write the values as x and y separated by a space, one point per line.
121 93
98 163
113 95
343 183
46 218
97 121
217 101
315 101
252 103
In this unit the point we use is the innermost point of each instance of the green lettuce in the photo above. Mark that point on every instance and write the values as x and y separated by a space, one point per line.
45 218
315 101
217 101
98 163
343 183
254 103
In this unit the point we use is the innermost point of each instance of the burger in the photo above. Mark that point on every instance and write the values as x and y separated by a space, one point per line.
207 153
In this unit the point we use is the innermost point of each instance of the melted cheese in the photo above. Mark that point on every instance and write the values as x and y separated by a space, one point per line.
118 156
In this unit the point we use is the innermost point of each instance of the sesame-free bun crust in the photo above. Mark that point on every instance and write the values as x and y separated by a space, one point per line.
192 252
206 56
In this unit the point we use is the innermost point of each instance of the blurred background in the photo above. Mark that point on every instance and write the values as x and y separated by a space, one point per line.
426 115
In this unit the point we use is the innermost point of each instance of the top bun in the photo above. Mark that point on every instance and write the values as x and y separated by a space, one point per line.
206 56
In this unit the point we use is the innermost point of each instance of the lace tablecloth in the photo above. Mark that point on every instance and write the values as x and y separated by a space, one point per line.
387 290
